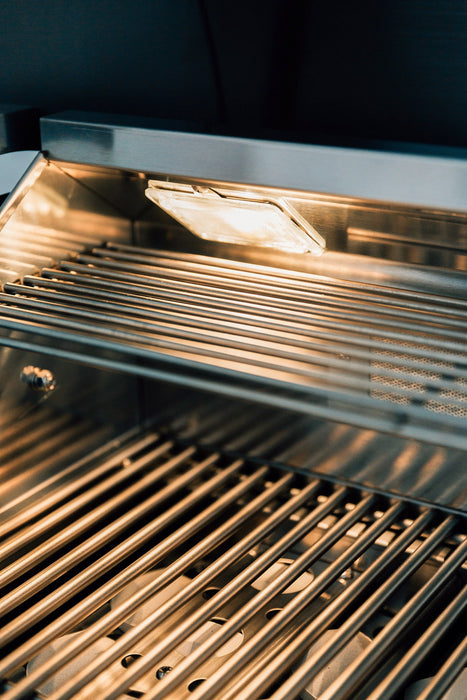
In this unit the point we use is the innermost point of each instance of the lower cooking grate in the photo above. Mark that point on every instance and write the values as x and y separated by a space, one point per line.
167 570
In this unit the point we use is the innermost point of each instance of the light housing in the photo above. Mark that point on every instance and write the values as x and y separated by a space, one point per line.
243 218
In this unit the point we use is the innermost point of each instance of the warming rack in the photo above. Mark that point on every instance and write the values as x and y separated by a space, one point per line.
368 355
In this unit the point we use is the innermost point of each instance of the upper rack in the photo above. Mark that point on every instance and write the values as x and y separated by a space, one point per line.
368 355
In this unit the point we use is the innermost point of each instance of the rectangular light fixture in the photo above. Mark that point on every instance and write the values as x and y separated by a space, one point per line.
228 216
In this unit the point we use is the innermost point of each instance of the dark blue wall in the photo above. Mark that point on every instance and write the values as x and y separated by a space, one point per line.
319 70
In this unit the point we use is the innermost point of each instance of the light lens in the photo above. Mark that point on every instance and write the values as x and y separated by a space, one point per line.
236 220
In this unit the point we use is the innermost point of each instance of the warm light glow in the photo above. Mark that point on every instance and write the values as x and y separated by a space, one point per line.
233 218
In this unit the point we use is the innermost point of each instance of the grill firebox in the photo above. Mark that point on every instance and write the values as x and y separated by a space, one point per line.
268 558
227 471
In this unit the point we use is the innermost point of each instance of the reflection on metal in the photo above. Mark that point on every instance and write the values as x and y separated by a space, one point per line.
455 692
165 593
51 216
230 217
410 179
173 538
357 354
40 380
337 665
12 168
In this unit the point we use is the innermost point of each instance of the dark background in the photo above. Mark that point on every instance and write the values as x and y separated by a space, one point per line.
320 71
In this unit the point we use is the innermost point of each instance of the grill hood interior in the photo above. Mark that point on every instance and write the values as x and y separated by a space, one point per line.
363 345
227 470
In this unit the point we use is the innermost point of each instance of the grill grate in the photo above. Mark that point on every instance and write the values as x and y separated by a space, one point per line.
38 450
25 249
177 571
371 356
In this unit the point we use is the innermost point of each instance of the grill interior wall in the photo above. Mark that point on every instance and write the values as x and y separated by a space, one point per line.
114 200
114 479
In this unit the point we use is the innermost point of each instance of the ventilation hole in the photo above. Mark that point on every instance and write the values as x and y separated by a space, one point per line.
162 672
130 659
134 693
272 613
210 592
195 684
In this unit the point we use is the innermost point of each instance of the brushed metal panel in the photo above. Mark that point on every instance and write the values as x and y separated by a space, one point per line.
418 180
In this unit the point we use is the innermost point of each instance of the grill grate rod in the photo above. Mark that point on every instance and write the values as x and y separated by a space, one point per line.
307 280
66 536
322 581
247 653
211 343
350 510
447 674
33 531
148 289
149 559
247 336
398 419
116 616
65 490
156 653
368 324
259 675
409 662
245 364
290 288
23 622
345 685
289 291
347 355
323 302
209 608
295 367
298 333
350 336
321 312
66 591
315 662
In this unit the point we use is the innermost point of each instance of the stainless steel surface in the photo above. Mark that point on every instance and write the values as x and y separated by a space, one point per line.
36 446
249 479
68 204
48 216
12 168
394 363
395 680
222 524
408 179
449 673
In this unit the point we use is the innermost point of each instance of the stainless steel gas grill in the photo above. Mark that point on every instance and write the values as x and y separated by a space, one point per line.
233 421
